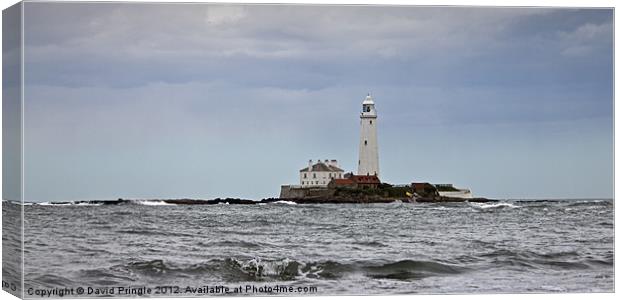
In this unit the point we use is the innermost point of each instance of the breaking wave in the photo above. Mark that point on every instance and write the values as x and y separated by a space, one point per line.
53 204
88 204
257 269
284 202
152 202
486 206
99 203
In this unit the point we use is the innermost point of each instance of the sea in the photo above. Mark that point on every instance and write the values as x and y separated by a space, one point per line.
151 248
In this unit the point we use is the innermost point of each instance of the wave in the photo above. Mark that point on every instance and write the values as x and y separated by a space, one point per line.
151 203
145 232
563 260
229 269
485 206
70 203
237 243
257 269
55 203
412 269
16 202
589 203
50 280
284 202
88 204
103 202
370 243
437 208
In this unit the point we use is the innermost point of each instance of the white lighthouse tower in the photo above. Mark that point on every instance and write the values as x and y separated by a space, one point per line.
368 163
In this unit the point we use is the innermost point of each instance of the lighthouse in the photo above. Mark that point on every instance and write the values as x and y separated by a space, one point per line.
368 163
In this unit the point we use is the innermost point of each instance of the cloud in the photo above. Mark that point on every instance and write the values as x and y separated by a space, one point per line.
122 45
224 14
586 39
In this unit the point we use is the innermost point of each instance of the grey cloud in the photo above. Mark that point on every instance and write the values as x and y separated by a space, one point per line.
132 44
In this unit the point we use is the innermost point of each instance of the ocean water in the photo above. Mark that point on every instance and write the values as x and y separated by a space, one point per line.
506 247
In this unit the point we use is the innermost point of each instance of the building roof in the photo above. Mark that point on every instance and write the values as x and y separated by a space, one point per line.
322 167
342 181
365 179
368 100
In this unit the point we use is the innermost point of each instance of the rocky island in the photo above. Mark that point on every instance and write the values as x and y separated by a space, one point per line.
383 193
373 193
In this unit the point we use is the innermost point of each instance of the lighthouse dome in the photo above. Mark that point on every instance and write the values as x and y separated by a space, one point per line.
368 100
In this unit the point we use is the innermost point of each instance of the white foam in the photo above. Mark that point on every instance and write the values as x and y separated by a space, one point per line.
438 208
55 204
492 205
285 202
263 268
88 204
153 203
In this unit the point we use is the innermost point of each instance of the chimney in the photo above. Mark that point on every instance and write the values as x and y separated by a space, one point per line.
309 165
318 161
334 163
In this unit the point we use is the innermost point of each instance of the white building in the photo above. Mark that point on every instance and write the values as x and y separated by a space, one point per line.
368 163
319 174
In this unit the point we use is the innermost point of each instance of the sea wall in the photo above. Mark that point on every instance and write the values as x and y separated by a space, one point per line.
296 191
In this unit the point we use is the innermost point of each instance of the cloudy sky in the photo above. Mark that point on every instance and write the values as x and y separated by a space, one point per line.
202 101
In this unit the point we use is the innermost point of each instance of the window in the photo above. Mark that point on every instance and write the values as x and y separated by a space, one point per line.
305 175
370 122
365 142
313 175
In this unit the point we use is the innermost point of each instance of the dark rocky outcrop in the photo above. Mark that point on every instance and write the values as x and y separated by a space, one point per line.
384 193
339 199
452 199
333 200
209 202
373 199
